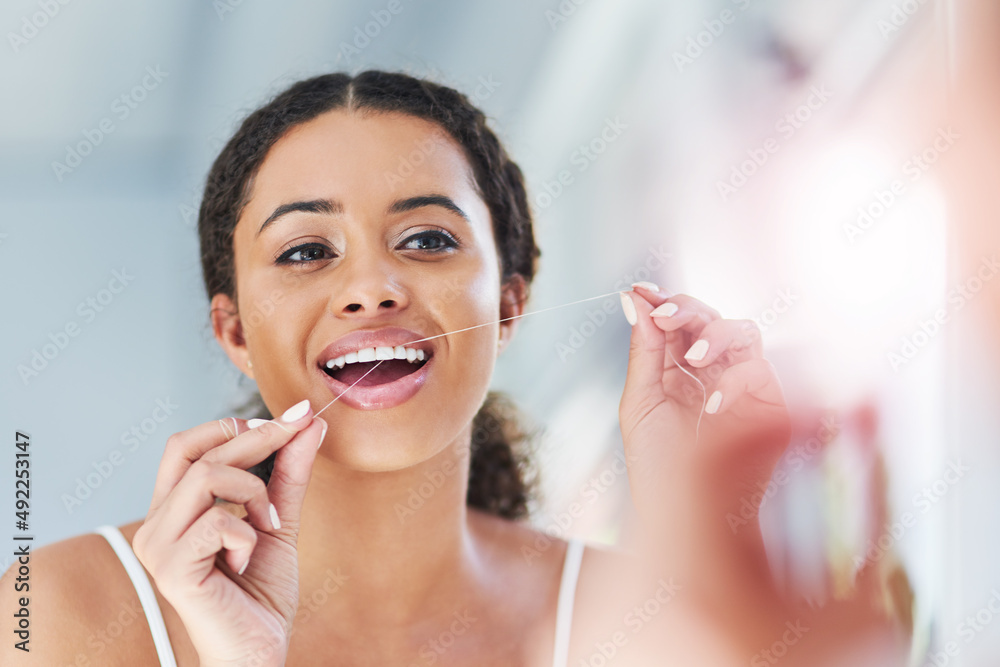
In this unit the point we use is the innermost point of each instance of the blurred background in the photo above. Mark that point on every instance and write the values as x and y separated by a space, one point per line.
824 168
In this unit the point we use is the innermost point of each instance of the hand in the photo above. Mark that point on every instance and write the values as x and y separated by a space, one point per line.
233 581
684 486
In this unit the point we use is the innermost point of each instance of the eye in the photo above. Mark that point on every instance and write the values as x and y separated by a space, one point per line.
304 253
440 240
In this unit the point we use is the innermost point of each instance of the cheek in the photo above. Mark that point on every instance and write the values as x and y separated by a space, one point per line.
273 314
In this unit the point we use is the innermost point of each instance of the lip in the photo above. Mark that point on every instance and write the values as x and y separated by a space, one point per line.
380 396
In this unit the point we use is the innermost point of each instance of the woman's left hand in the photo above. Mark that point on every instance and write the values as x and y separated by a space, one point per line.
687 486
698 495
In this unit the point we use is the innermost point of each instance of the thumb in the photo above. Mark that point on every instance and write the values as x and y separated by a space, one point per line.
647 347
293 470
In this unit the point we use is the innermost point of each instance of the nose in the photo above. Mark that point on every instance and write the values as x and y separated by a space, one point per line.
366 287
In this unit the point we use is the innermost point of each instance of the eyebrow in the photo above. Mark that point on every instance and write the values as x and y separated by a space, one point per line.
334 207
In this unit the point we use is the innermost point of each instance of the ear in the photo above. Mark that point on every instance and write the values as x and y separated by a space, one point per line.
513 294
228 330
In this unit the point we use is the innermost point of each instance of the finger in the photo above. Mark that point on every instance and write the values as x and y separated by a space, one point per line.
682 318
193 555
230 427
190 559
644 379
245 450
651 292
198 490
691 314
292 471
755 378
728 341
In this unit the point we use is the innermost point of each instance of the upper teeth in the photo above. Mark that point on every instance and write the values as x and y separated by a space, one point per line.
377 353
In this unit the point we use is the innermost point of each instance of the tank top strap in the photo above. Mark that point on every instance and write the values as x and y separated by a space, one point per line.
145 591
567 594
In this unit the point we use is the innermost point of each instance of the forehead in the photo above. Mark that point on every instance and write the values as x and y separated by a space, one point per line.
372 154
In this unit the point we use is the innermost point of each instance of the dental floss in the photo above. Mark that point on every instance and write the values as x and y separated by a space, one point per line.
476 326
704 394
704 391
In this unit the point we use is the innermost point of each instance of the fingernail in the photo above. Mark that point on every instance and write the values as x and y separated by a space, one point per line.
629 308
652 287
243 569
254 423
714 401
297 411
275 522
323 434
664 310
697 351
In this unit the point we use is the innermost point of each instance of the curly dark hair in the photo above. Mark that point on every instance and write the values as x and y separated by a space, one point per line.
501 478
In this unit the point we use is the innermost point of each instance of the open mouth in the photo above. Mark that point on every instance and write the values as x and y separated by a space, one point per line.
359 365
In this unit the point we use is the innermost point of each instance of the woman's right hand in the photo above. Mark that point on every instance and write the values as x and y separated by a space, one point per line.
231 615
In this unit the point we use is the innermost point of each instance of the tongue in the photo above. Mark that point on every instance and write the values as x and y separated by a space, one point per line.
389 370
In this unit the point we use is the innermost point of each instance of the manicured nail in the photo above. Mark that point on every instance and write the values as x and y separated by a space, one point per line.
697 351
297 411
629 308
254 423
275 522
652 287
322 436
664 310
714 401
243 569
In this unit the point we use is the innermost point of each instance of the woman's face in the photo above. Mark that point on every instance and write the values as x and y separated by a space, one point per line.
369 224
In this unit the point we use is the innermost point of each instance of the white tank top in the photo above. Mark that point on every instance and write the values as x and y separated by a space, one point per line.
564 612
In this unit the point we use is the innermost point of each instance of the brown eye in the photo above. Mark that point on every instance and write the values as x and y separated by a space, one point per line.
436 240
301 254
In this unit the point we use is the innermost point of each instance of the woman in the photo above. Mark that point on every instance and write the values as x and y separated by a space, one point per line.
378 212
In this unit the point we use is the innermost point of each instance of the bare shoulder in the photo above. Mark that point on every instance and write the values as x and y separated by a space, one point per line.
82 609
621 609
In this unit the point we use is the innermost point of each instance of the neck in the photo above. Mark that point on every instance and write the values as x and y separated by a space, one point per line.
391 545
